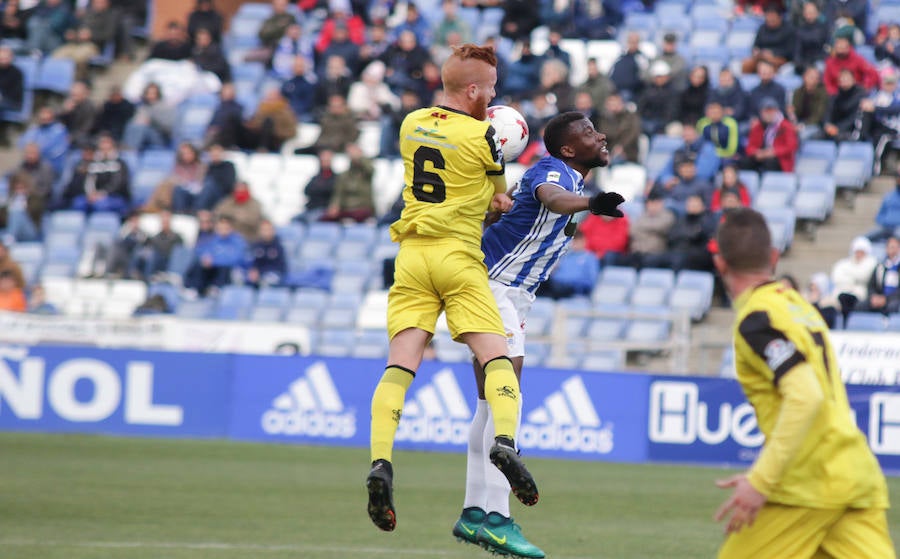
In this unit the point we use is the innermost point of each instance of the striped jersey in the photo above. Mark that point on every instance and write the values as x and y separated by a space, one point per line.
523 247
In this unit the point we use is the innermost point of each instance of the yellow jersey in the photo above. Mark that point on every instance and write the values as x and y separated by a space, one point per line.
776 330
447 157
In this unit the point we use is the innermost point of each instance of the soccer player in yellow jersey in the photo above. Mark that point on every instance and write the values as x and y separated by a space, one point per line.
816 489
453 174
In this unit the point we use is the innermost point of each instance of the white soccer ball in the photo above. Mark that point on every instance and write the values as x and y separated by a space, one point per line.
511 129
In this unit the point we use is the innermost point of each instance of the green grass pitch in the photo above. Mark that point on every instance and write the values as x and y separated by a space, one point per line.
79 497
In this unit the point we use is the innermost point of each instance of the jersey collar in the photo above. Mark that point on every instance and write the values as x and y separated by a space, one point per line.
745 296
452 110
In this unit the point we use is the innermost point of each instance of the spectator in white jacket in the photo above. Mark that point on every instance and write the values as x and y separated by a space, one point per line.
370 97
850 276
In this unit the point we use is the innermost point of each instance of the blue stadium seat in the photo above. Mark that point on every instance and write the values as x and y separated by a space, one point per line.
866 321
622 275
781 223
338 318
778 181
55 75
274 297
315 249
192 124
575 326
667 11
157 159
693 292
661 143
249 72
812 165
360 233
751 181
538 325
352 250
815 199
58 268
27 253
348 283
104 221
253 11
636 21
746 23
309 299
825 149
61 239
603 360
320 231
647 331
705 38
168 291
739 42
726 366
893 324
335 343
649 296
306 316
267 314
66 221
606 329
236 296
657 277
611 293
370 344
197 309
93 239
536 353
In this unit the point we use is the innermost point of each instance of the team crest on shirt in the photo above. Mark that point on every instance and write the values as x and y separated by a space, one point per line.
553 176
778 351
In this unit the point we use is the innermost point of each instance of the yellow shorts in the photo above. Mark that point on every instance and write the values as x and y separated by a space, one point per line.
783 532
432 275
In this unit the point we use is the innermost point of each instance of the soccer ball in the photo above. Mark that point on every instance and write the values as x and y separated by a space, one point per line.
511 129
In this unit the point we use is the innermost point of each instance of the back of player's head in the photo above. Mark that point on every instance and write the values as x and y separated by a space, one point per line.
745 243
556 133
456 73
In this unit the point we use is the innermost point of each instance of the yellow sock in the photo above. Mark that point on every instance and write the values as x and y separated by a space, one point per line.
501 390
387 406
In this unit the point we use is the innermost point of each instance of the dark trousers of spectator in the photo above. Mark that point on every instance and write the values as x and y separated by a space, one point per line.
186 202
890 307
690 259
760 165
147 263
557 290
262 139
105 204
202 278
358 215
848 303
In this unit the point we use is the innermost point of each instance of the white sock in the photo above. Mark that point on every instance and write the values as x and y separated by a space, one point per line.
476 457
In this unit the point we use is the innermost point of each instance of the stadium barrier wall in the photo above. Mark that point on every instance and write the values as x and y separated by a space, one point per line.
569 414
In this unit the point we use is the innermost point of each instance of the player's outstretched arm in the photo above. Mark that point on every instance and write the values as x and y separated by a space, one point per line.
563 202
802 400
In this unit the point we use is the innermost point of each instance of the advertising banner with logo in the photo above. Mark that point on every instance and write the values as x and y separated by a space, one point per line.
86 390
326 401
708 420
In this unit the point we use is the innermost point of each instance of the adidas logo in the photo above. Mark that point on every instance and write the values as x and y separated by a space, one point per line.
312 407
437 413
567 421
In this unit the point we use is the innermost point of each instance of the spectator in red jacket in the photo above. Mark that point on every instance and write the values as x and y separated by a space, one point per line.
341 12
844 57
773 144
605 236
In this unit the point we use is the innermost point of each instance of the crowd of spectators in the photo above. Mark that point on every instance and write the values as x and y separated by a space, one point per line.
341 63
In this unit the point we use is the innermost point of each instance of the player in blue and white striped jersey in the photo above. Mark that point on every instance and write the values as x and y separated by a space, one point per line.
521 250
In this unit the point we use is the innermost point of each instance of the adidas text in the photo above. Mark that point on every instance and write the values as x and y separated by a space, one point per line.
310 423
433 429
566 437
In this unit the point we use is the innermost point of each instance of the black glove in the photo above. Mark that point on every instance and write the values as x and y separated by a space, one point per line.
605 203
